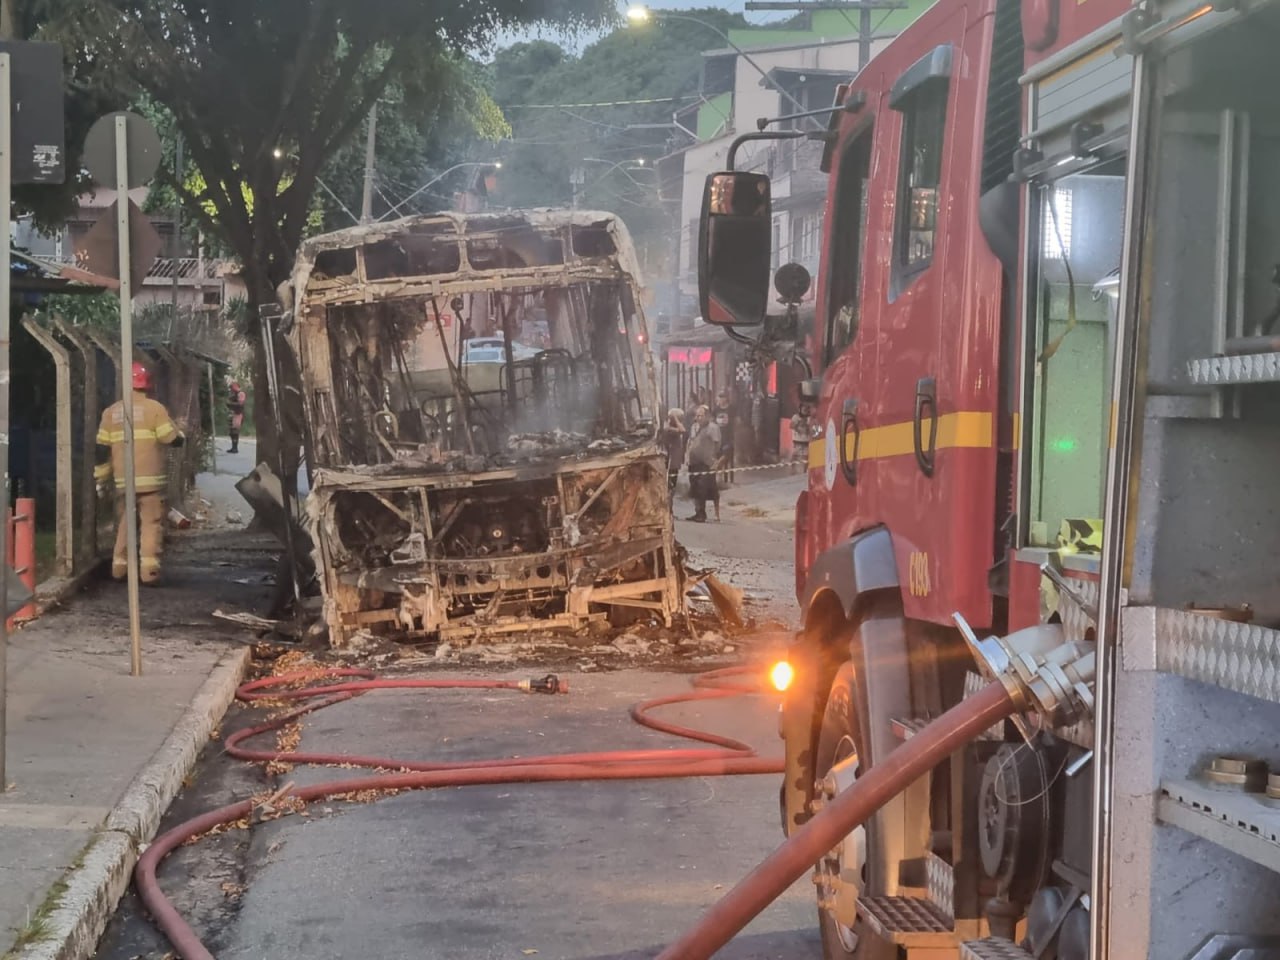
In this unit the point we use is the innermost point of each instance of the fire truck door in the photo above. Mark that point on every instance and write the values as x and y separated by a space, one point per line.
913 423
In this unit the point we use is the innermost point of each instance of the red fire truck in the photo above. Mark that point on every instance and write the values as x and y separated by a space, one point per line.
1046 322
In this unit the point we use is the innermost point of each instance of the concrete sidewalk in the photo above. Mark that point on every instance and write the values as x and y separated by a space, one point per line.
95 756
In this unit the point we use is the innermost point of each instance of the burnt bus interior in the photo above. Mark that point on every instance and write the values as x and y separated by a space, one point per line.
484 410
561 367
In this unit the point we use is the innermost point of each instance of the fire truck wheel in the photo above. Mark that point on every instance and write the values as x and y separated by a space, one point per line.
837 896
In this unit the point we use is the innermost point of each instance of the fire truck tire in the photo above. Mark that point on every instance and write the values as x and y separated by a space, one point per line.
838 740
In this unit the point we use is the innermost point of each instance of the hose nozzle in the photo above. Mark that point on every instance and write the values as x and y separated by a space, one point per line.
548 684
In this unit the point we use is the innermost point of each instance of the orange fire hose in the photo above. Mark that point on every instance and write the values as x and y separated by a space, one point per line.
725 757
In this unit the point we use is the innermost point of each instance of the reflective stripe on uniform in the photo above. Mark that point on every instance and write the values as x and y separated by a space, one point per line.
139 433
102 471
155 482
164 430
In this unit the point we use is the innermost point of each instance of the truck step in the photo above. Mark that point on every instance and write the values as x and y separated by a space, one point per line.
993 948
908 921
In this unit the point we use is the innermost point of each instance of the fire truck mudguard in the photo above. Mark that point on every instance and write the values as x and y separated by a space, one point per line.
855 568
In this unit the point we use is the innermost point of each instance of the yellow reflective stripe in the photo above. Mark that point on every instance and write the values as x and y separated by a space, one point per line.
149 481
117 436
164 430
102 471
966 428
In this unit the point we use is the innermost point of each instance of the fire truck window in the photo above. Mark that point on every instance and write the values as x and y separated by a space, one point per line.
844 268
919 177
1080 226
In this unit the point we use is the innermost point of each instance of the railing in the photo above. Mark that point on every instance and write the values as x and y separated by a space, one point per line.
188 268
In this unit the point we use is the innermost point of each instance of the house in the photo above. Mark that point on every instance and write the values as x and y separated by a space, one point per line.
203 282
763 74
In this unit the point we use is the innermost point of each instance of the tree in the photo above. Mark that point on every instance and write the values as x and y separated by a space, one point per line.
265 92
414 145
86 99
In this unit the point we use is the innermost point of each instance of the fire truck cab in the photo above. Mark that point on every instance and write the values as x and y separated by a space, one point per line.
1047 397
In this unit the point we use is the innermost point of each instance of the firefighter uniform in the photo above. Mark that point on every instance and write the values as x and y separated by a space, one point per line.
153 432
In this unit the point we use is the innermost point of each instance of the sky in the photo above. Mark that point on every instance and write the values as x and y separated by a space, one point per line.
578 42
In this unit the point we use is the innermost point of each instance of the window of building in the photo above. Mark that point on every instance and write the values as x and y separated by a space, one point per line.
920 176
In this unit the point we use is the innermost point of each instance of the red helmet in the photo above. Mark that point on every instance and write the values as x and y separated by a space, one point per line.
234 387
141 377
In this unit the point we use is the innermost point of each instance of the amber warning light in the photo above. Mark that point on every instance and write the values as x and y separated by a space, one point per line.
781 675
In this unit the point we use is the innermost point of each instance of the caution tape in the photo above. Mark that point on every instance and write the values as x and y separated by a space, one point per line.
729 469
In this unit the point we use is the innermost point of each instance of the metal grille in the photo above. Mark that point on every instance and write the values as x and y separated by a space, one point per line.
1244 823
906 920
1004 96
992 948
1241 657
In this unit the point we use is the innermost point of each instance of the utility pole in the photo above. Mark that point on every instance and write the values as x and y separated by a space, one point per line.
366 205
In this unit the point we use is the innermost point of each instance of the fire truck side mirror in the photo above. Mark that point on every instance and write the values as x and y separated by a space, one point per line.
734 248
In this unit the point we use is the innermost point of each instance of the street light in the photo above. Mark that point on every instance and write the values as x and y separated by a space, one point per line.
496 164
640 15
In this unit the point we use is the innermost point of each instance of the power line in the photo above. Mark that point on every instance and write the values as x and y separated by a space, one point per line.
597 103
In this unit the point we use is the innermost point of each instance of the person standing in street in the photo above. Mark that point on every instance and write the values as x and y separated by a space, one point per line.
235 405
701 456
726 418
801 435
153 432
672 439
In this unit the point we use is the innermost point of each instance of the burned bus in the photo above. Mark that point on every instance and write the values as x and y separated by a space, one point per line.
481 427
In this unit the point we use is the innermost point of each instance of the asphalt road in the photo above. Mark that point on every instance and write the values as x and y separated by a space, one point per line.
606 871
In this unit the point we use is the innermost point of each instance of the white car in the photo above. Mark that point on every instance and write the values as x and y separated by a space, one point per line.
490 350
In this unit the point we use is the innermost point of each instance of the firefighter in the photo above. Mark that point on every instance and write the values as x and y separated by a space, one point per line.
235 404
153 431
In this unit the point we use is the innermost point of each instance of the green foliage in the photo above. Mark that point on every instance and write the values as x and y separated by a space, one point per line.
264 94
419 133
100 310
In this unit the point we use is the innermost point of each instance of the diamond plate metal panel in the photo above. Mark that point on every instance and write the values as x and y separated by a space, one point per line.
940 879
1251 368
1241 657
973 683
907 920
993 948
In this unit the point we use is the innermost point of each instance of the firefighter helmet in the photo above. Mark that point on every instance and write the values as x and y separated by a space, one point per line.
141 377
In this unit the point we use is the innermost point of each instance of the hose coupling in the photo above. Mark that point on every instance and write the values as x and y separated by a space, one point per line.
548 684
1042 670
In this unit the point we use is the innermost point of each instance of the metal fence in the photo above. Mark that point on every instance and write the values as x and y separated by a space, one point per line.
87 378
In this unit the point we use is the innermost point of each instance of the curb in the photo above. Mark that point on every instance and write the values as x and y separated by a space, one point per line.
58 590
94 887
